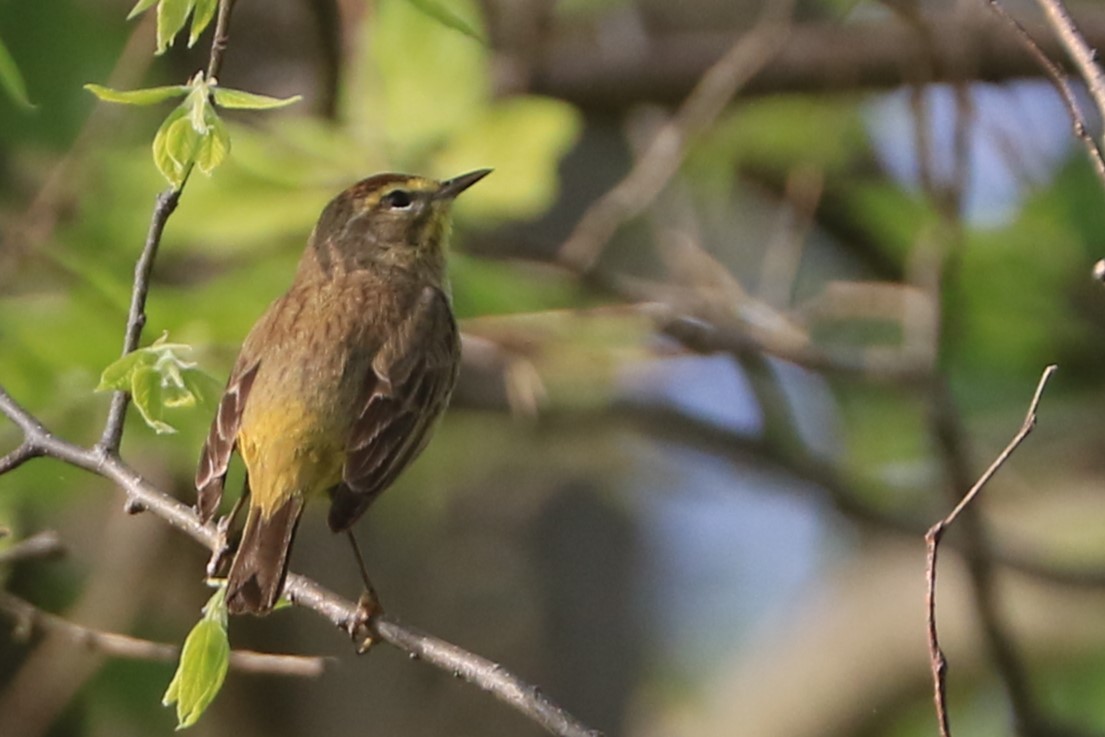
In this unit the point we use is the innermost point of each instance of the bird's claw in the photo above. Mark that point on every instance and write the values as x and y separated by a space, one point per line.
360 628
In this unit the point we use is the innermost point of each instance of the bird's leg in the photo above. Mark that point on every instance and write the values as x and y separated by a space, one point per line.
368 605
222 548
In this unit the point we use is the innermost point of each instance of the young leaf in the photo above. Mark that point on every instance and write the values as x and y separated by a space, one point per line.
171 15
11 80
214 146
201 18
239 100
203 664
140 7
175 144
148 96
158 379
145 392
446 17
198 104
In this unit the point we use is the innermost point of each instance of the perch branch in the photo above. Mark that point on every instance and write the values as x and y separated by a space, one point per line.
472 668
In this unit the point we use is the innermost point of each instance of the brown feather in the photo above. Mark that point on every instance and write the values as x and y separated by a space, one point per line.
412 378
257 574
217 449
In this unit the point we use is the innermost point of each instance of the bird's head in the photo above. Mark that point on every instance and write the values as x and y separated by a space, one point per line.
389 219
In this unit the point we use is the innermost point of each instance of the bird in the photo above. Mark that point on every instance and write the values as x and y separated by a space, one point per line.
340 383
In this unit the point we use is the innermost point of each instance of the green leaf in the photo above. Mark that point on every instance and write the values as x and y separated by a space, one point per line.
214 146
171 15
145 392
198 102
448 18
158 379
203 664
148 96
140 7
11 80
117 376
174 146
201 18
239 100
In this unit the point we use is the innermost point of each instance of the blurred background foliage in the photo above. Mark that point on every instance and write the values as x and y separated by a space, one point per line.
685 491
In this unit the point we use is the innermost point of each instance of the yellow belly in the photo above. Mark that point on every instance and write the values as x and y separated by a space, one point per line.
289 449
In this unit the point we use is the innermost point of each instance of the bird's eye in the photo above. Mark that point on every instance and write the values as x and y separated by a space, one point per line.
398 199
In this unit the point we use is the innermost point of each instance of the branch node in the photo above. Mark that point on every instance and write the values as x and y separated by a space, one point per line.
134 506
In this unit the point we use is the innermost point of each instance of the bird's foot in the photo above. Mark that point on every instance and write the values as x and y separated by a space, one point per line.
360 627
221 549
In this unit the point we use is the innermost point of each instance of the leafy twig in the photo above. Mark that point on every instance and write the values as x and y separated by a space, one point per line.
136 317
937 660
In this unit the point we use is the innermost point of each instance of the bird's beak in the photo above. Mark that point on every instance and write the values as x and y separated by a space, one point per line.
452 187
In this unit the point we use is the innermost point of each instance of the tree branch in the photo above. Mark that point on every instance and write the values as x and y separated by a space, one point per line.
1062 85
27 618
220 40
937 660
818 57
480 672
664 154
341 612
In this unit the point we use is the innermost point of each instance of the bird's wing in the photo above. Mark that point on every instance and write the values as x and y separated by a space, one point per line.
215 456
406 390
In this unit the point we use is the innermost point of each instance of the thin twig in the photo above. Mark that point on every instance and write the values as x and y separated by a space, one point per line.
220 40
937 660
664 155
29 618
1085 58
136 317
1062 85
18 457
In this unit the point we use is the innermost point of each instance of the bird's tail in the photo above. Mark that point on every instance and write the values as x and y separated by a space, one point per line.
257 574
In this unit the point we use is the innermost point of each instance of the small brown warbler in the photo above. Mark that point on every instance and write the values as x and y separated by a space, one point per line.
339 385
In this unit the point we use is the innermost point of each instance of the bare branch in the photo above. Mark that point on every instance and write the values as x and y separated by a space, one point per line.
18 457
221 39
480 672
29 618
1062 85
1085 58
663 156
932 539
818 57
